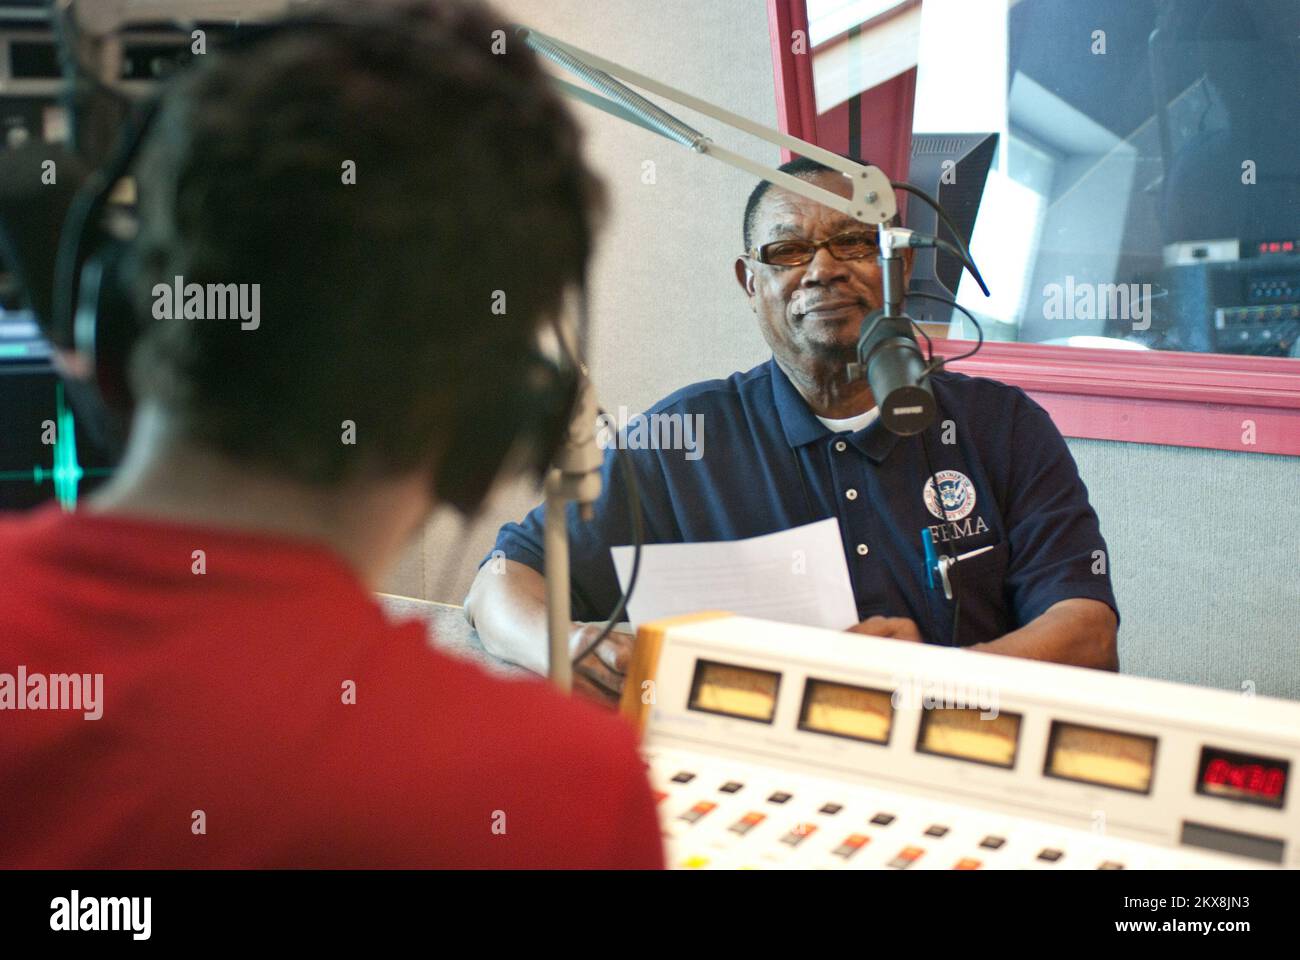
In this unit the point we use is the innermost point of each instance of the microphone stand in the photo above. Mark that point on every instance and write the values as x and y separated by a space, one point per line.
575 477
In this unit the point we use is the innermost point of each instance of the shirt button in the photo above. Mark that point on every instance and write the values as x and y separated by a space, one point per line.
851 494
863 550
840 446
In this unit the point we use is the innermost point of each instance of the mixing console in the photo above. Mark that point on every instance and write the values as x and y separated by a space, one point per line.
777 746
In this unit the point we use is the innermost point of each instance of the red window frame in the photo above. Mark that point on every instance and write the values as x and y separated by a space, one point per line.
1209 400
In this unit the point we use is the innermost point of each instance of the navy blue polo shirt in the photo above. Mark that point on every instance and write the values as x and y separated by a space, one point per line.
766 463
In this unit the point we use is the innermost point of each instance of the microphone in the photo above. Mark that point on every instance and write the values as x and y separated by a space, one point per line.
888 355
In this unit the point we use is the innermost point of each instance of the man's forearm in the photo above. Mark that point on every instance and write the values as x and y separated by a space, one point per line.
1080 632
507 607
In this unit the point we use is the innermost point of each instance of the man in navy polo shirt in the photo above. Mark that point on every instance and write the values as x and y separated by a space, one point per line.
793 441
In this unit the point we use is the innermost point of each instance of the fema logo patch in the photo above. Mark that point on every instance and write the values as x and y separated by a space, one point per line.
957 491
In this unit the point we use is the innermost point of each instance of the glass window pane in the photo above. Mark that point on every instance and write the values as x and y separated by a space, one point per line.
1144 192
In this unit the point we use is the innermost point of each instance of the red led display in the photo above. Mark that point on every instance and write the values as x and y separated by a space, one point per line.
1254 778
1236 776
1277 246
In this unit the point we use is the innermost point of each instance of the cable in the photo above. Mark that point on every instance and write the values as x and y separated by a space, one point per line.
929 344
960 250
629 479
638 538
932 367
965 259
946 360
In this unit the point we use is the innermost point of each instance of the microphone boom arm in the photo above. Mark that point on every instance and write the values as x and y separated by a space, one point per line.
873 196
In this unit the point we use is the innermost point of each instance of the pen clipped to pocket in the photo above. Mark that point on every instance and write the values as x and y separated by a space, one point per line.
937 567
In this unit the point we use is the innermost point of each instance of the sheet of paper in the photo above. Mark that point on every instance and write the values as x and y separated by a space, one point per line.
792 576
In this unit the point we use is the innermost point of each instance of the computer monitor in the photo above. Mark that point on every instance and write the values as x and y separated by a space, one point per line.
952 168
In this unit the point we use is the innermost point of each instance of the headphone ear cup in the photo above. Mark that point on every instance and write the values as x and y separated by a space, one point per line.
495 432
105 326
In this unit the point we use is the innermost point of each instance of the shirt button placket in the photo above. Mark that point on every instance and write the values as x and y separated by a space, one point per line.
851 494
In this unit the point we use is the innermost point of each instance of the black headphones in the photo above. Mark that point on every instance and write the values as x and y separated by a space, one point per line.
516 420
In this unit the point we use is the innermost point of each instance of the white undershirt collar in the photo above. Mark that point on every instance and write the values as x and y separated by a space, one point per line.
851 424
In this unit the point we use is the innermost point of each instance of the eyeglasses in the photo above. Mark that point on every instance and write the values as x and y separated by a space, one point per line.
857 245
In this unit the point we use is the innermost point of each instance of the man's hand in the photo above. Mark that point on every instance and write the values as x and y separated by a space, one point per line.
896 628
600 675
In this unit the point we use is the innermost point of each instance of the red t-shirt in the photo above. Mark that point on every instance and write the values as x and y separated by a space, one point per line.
225 739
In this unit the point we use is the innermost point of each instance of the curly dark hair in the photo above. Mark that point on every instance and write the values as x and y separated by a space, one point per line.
376 297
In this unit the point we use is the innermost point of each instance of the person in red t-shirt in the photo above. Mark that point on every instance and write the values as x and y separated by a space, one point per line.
193 669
